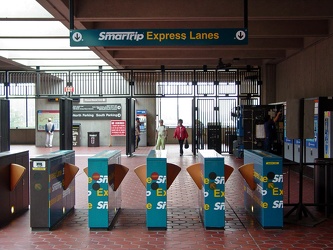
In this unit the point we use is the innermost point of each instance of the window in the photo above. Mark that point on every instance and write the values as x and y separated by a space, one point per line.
172 109
22 113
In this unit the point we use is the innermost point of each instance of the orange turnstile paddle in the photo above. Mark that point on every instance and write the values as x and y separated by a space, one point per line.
16 174
70 171
247 171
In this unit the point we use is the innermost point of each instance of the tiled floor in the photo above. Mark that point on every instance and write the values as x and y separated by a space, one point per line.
184 228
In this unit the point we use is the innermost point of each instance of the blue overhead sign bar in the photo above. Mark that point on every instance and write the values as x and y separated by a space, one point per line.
159 37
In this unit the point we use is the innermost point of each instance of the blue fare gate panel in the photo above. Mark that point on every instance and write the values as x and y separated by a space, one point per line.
50 202
103 202
212 200
266 202
156 207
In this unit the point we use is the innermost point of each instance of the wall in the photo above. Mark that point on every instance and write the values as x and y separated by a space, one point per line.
22 136
306 74
44 104
269 84
148 104
102 126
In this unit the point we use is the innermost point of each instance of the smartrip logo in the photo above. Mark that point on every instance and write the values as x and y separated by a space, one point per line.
213 188
155 180
121 36
270 186
96 190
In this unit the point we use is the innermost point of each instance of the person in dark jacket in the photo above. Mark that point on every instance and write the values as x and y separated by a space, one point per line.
181 134
270 131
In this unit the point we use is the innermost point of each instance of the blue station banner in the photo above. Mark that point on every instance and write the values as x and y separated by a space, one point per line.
159 37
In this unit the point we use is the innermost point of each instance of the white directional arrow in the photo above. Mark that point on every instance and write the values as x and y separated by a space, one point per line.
77 37
240 35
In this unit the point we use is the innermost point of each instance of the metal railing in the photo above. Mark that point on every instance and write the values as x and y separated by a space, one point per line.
216 93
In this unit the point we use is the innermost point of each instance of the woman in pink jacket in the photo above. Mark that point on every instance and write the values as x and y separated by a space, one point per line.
181 134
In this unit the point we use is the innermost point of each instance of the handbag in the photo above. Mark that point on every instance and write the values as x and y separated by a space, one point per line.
186 144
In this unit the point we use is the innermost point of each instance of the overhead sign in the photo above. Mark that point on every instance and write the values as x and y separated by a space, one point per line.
159 37
96 111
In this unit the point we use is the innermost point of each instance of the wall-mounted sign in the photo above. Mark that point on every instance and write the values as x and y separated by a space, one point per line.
44 115
69 89
159 37
96 111
94 99
118 128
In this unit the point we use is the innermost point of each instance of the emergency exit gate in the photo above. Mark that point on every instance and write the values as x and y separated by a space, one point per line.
215 93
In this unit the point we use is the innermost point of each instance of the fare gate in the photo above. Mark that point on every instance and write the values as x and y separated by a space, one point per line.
105 174
266 198
156 208
212 196
52 188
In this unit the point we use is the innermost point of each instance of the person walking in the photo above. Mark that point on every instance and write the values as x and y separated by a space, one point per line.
181 134
137 132
161 135
49 128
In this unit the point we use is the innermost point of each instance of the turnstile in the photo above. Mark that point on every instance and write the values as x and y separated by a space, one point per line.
51 200
104 193
266 201
212 194
156 207
14 184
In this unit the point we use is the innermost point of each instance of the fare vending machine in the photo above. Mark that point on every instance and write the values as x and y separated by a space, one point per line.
311 145
328 133
297 150
317 113
317 146
142 115
288 143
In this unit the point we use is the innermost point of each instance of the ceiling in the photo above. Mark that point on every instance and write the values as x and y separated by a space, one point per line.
7 64
276 29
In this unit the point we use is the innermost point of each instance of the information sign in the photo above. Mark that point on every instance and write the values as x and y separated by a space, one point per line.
118 128
96 111
159 37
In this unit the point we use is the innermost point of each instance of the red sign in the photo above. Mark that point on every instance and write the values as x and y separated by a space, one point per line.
118 128
69 89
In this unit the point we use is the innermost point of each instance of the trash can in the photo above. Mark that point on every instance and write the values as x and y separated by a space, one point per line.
76 134
93 139
323 189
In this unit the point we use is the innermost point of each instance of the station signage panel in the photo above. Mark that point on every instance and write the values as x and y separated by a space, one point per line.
159 37
97 111
118 128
